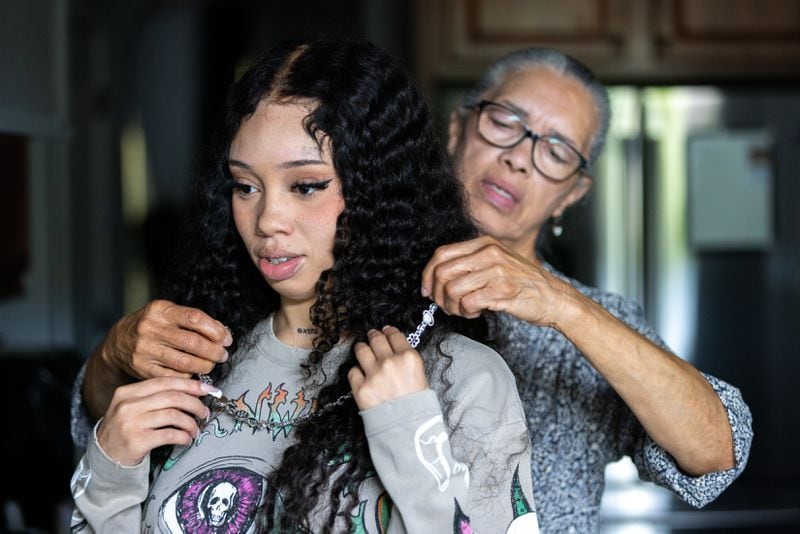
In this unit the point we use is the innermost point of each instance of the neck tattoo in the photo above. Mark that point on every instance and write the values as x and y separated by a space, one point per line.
308 331
223 404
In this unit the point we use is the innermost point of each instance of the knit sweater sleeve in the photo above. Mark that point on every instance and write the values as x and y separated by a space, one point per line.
80 421
657 465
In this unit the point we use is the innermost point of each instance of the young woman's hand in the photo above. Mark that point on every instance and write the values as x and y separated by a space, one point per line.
388 368
145 415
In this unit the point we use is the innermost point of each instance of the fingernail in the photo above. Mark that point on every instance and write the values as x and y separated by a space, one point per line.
424 291
207 416
229 338
372 332
225 356
211 390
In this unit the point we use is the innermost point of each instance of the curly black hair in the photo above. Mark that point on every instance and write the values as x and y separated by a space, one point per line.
402 200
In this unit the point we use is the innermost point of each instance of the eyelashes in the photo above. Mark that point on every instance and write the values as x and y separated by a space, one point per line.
306 189
242 188
303 189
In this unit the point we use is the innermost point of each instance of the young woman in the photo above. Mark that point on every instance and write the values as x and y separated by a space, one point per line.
327 195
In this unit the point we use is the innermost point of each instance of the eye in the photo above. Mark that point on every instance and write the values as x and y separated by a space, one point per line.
307 189
500 123
243 189
557 150
502 120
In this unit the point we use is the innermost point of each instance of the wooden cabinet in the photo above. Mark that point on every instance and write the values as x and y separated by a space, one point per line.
743 39
636 41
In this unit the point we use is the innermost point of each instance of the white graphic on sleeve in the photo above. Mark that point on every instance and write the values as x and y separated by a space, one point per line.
524 524
80 478
429 442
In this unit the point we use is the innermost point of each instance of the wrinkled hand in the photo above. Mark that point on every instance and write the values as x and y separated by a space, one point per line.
145 415
388 368
165 339
483 274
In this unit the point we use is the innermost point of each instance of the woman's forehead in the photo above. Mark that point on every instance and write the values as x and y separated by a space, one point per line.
278 130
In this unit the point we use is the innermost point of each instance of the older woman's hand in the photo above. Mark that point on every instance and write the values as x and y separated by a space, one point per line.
166 339
483 274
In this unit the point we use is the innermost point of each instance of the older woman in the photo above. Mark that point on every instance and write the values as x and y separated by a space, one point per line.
597 381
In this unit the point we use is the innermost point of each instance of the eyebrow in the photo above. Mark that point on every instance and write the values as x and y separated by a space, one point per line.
285 165
524 114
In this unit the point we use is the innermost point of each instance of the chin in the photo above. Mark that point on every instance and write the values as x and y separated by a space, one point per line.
292 290
489 222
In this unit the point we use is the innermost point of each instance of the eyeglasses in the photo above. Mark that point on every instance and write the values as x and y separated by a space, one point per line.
504 128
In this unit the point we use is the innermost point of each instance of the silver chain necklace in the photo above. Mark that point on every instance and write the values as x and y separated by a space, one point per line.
223 404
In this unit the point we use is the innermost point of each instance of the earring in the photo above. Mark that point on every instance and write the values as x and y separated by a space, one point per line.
557 228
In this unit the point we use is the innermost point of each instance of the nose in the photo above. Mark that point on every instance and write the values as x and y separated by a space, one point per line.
274 216
518 157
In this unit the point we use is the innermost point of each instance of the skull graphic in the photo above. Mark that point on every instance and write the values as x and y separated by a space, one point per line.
220 502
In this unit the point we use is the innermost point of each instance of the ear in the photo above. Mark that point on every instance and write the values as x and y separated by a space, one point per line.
578 191
454 132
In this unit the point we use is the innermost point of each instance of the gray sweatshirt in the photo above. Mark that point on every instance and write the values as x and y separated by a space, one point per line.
428 477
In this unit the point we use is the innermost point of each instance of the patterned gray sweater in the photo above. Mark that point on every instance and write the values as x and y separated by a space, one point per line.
579 424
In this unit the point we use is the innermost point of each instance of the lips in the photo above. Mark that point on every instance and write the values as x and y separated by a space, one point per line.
278 267
500 195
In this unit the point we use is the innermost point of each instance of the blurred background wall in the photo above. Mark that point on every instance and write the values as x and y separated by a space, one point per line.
105 107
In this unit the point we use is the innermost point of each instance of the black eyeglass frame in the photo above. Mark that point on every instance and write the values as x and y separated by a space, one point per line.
480 106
